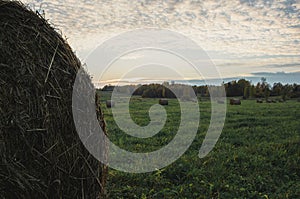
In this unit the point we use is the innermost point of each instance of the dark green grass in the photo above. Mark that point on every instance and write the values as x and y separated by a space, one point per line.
257 155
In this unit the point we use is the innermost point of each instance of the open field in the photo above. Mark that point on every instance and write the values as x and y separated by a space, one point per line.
257 155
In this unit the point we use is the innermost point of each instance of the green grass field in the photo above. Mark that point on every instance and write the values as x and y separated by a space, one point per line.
257 155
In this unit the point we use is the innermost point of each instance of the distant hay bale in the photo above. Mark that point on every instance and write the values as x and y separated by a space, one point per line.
269 101
274 101
220 101
163 102
259 101
110 103
235 102
41 153
281 100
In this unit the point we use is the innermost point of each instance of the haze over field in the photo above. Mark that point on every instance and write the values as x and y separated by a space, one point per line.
246 38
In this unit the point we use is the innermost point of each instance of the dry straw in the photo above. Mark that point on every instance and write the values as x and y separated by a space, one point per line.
41 153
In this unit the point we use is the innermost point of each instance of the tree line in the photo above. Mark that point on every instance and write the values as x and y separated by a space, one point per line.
238 88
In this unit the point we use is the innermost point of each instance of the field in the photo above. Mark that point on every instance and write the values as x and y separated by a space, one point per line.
257 155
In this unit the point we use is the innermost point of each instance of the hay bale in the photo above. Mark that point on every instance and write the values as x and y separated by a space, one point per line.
259 101
220 101
41 153
235 102
110 103
281 100
163 102
269 101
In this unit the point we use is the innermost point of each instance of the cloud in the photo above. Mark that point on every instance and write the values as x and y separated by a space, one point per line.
296 65
234 29
277 73
293 77
132 56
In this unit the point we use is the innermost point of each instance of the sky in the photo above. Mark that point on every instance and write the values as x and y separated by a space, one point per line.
244 39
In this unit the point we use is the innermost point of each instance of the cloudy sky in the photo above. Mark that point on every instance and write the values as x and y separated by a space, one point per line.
245 38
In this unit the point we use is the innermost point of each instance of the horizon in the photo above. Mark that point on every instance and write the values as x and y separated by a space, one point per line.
271 78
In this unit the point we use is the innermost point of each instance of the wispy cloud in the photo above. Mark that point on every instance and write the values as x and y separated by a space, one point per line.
132 56
233 29
296 65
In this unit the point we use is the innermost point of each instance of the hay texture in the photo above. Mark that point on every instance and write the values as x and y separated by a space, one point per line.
41 153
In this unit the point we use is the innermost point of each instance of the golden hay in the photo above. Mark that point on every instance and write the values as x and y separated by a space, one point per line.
41 153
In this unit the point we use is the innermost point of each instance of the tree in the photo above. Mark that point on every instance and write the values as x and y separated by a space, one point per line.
287 90
277 89
267 93
163 92
265 88
246 92
263 80
252 91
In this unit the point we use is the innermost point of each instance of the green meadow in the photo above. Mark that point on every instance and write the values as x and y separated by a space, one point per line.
256 156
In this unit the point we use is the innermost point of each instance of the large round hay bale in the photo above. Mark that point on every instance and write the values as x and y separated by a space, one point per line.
163 102
235 102
41 153
259 101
